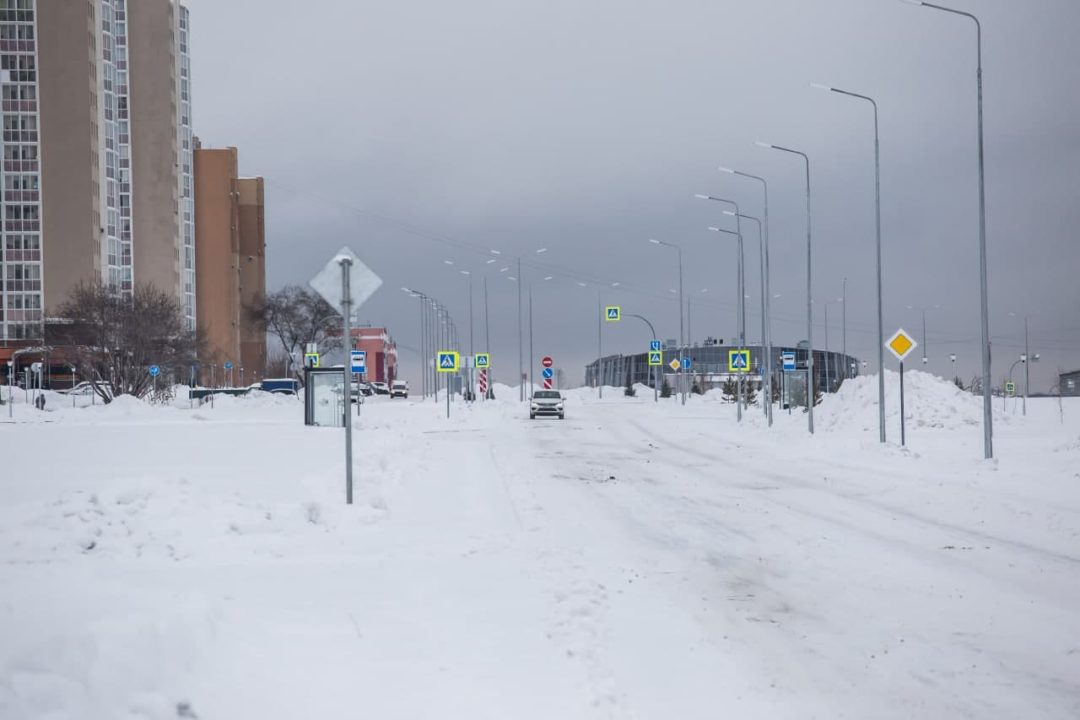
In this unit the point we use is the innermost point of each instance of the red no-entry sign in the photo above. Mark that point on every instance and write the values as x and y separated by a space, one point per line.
547 362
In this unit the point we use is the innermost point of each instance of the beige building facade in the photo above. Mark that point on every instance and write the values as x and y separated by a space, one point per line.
231 262
98 148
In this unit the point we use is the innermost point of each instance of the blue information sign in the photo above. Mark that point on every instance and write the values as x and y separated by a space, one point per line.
358 362
654 346
789 361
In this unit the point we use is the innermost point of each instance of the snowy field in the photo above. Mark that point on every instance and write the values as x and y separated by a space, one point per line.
654 562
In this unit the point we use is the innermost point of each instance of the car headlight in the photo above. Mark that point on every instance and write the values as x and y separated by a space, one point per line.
559 406
535 406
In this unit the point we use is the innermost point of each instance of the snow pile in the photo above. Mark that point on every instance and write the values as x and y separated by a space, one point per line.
929 402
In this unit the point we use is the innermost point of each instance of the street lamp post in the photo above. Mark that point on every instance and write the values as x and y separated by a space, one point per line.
741 307
877 200
682 343
767 306
656 376
988 427
809 286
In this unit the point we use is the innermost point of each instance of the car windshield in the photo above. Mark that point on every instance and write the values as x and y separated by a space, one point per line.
546 395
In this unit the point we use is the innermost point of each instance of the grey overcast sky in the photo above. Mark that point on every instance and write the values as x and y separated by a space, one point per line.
424 131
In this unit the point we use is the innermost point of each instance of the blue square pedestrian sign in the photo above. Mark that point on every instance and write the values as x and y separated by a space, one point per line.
483 360
446 361
656 357
738 361
788 359
613 313
358 362
654 346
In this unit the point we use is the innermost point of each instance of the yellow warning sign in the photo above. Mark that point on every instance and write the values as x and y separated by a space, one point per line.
901 344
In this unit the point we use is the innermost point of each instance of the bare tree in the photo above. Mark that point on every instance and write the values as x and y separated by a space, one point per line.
297 316
113 339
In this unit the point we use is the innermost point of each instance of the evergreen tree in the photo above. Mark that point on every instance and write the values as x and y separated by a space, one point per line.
730 390
665 389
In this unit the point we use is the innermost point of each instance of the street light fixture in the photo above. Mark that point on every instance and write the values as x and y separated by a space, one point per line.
741 306
767 308
809 284
988 419
682 379
877 196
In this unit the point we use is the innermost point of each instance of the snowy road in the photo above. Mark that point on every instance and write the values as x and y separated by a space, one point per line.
633 561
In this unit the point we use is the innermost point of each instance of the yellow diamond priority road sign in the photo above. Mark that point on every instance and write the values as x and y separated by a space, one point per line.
901 344
674 365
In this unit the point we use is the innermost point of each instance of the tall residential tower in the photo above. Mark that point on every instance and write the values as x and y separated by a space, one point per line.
97 143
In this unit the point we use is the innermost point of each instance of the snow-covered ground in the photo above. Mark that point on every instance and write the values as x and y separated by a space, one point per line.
637 560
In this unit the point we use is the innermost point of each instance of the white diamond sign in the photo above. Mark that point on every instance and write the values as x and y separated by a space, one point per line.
363 282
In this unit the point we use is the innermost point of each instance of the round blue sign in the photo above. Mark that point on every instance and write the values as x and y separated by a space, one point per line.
228 364
549 373
154 371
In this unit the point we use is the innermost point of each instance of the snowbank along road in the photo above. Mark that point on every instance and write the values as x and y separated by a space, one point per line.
633 561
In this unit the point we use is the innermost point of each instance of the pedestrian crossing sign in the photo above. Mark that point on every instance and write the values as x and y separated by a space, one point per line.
656 358
613 313
483 360
447 361
738 361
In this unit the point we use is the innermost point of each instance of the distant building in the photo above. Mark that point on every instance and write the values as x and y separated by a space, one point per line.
230 259
1070 383
709 366
381 352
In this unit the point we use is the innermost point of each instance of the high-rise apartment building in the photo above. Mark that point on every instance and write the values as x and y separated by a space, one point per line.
231 237
97 146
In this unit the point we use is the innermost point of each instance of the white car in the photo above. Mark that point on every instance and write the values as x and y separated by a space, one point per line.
547 402
399 388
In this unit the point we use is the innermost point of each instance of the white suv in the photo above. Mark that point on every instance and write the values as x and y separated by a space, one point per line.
547 402
399 388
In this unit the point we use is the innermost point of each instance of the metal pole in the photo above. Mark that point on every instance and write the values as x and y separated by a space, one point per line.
599 345
742 314
487 341
472 347
521 356
903 435
809 288
988 418
847 365
767 306
924 337
682 342
880 311
1027 364
827 363
532 357
346 312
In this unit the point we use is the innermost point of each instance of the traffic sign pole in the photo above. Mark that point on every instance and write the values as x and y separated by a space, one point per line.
903 437
346 312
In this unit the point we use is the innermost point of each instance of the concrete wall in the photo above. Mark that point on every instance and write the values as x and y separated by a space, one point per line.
67 87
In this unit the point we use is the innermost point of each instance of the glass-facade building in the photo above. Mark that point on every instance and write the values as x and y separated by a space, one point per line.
710 367
21 292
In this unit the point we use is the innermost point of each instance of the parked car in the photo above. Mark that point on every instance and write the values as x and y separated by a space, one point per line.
85 389
357 392
281 386
380 388
547 402
399 388
365 389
